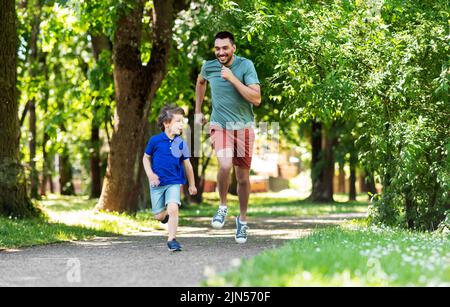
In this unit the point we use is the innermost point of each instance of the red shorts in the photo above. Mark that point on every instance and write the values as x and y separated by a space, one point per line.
240 141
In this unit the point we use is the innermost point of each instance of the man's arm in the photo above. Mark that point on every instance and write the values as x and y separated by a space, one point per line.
251 93
200 91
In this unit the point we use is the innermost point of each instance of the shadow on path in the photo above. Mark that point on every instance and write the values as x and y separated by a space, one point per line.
143 259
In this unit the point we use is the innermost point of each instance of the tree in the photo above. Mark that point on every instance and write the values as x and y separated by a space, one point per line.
14 200
101 81
136 85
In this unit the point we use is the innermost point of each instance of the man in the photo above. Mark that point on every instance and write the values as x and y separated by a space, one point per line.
235 90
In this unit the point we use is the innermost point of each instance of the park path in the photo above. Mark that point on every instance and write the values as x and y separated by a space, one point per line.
143 260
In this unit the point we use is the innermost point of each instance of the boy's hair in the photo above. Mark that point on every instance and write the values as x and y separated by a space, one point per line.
167 113
225 34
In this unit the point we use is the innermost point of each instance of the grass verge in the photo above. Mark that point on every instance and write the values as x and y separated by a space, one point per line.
351 255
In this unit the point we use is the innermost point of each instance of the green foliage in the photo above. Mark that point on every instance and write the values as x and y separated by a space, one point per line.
381 69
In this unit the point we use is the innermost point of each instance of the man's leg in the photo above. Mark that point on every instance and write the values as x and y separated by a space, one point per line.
225 159
223 176
243 189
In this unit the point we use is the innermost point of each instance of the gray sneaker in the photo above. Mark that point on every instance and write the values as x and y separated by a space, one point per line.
219 218
241 232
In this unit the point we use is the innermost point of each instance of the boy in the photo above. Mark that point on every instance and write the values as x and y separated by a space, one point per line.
166 156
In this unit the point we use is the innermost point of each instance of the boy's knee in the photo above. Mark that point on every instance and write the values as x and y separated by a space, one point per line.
172 208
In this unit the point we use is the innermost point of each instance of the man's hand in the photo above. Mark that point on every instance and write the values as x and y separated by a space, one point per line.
199 119
154 180
226 73
192 190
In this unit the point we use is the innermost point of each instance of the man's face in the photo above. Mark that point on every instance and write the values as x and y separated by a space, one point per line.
224 50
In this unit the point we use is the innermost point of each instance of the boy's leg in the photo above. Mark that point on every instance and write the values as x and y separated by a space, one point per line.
161 216
157 200
172 210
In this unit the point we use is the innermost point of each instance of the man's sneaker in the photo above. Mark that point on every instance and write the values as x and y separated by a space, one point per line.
219 218
241 231
174 246
166 219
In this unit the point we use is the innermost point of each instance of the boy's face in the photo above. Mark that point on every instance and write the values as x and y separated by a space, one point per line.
176 125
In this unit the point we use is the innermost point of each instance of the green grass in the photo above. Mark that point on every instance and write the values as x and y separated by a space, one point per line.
73 217
270 205
70 218
351 255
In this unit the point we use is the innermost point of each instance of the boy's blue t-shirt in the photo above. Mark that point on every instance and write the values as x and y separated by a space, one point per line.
167 158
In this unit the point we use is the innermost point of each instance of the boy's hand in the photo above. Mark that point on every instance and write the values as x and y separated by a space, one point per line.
154 180
192 190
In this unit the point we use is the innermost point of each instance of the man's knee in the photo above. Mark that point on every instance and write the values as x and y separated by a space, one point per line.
226 167
243 181
242 178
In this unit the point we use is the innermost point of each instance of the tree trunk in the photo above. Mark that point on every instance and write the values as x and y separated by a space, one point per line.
34 177
135 88
65 173
46 170
100 42
341 181
410 208
14 201
322 167
33 68
352 193
371 183
96 179
353 163
329 142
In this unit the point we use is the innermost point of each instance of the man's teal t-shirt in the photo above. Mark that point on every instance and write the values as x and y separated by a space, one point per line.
229 109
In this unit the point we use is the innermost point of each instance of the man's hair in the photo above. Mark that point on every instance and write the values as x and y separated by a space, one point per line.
167 113
225 34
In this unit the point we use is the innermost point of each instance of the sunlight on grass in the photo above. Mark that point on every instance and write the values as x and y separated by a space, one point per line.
71 218
351 255
79 211
277 204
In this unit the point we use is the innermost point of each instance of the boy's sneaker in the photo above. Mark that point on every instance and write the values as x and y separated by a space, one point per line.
219 218
166 219
241 231
174 246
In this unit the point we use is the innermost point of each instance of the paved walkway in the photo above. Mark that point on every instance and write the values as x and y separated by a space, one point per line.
143 259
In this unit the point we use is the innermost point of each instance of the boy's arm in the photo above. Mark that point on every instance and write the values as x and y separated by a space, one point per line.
189 172
190 175
152 177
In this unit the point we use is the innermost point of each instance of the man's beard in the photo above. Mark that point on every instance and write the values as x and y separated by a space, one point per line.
227 59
